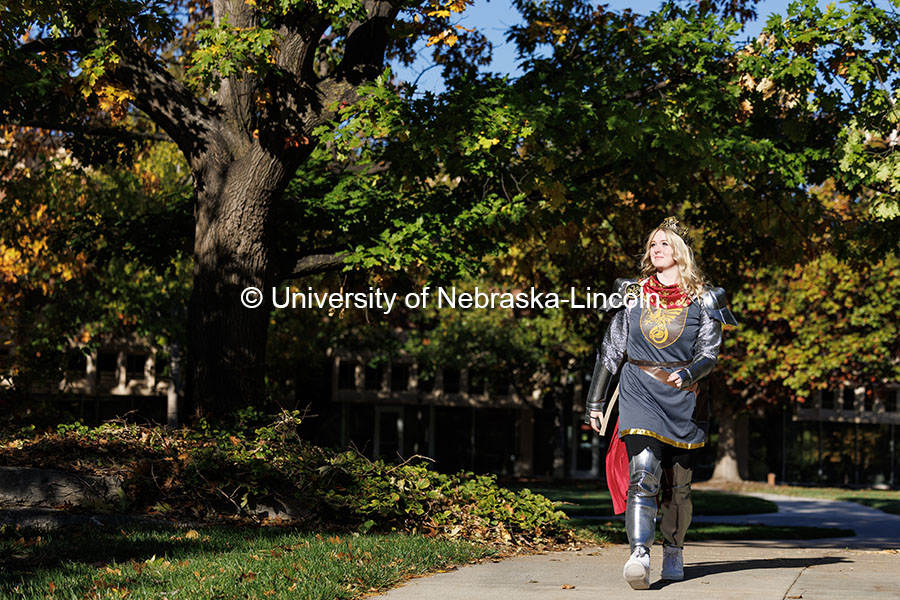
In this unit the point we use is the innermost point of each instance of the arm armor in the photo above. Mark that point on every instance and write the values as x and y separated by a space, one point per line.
609 360
622 288
706 349
612 351
596 398
715 303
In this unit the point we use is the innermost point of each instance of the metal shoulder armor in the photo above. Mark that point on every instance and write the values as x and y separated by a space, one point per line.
622 287
715 303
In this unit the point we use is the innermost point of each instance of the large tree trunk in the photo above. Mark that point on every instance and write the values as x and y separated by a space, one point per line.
243 139
728 467
232 252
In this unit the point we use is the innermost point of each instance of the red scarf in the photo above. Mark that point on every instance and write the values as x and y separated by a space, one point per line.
670 296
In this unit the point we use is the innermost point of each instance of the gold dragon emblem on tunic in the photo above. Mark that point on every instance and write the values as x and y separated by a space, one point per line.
662 326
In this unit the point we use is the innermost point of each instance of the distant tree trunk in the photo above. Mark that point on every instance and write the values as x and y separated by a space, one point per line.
726 412
559 448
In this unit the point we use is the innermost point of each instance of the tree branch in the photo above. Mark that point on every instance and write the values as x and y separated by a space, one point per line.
316 263
341 168
367 41
236 92
636 94
717 195
363 61
300 36
167 101
113 132
62 44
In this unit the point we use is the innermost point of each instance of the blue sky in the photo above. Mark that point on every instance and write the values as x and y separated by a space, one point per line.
494 17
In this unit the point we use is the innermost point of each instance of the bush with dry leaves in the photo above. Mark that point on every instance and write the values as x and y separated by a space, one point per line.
211 474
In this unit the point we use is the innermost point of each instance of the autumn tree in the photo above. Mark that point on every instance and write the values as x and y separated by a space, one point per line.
638 117
304 156
90 255
247 91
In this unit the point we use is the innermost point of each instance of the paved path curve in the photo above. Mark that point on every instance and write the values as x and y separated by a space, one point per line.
866 567
875 530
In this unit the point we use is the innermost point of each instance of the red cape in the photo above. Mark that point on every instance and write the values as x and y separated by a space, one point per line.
617 471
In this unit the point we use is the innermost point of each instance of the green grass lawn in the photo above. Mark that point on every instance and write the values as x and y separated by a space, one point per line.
885 500
216 562
592 499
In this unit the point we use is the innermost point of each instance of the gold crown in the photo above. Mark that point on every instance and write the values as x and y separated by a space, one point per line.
672 224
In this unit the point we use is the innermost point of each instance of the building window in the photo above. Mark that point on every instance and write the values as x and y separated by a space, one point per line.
388 432
399 377
134 366
426 383
890 400
77 364
374 375
827 399
476 382
848 398
451 381
499 384
347 375
4 359
107 363
161 364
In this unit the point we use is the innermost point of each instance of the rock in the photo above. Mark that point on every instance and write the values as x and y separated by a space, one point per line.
23 486
49 519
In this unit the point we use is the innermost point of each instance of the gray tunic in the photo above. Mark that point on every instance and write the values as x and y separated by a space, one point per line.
648 406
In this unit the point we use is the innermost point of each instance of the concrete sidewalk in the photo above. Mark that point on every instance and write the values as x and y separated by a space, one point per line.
717 571
866 566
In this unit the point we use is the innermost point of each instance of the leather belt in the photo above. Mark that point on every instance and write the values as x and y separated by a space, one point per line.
653 363
654 369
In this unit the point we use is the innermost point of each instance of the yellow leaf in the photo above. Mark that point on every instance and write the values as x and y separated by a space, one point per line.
447 36
458 6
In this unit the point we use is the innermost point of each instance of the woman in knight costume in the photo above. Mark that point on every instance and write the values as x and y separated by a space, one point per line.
663 348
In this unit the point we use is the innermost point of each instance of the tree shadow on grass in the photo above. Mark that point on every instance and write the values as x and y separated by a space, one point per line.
25 552
888 505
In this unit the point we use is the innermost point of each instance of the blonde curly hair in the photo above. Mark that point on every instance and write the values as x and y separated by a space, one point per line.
691 277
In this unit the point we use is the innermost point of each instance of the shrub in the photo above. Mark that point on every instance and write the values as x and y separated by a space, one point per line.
214 474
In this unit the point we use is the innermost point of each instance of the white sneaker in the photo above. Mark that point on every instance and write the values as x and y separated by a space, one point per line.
673 564
637 569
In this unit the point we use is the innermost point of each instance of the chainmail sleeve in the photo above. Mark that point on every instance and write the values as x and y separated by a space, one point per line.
609 359
612 351
706 350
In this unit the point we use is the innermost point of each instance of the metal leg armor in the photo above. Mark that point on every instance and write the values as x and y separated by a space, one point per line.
676 507
645 472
